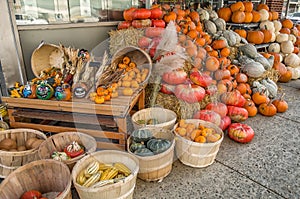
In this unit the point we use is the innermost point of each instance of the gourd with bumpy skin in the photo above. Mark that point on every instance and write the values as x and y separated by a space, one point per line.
257 87
277 25
245 59
141 135
295 72
249 50
204 15
254 69
274 47
270 87
143 152
158 145
292 60
287 47
135 146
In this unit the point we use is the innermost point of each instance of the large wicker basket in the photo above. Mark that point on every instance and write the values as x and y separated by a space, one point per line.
156 167
197 154
165 117
58 141
10 161
50 177
46 56
123 189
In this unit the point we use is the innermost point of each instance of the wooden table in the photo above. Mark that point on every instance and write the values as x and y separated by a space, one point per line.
106 122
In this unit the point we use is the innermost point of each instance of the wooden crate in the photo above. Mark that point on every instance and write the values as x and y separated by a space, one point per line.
106 122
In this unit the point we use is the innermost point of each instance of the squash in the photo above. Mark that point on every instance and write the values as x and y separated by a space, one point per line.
264 61
248 17
267 109
275 15
267 25
212 14
264 15
256 16
262 6
255 37
210 27
238 17
267 35
7 144
292 38
241 32
225 13
270 86
158 145
286 47
273 37
204 15
220 24
143 152
238 6
277 25
253 69
135 146
230 37
249 50
281 37
287 23
292 60
280 104
295 72
141 135
274 47
248 6
237 37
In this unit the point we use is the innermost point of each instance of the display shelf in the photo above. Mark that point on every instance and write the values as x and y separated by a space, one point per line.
243 25
260 46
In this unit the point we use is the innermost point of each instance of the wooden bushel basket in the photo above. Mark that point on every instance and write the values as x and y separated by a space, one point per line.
123 189
165 117
50 177
197 154
58 141
156 167
10 161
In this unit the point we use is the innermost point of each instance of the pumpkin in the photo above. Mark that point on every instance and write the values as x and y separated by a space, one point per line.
270 86
135 146
267 109
251 108
194 15
204 15
248 17
286 77
259 97
280 67
217 107
285 30
158 145
253 69
141 13
241 133
220 24
241 32
233 98
212 63
264 14
256 16
267 35
262 6
189 93
170 16
32 194
248 6
295 72
200 78
175 77
127 14
267 25
292 60
141 135
208 115
255 37
238 17
274 47
281 37
219 44
29 91
238 6
287 23
44 91
287 47
210 27
231 37
275 15
249 50
225 13
280 104
277 25
143 152
237 114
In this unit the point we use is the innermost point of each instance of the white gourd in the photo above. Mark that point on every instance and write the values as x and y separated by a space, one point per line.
273 38
267 25
281 37
264 15
280 57
295 72
292 60
277 25
287 47
253 69
292 38
274 47
204 15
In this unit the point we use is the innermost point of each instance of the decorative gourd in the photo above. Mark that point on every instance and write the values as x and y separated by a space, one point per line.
281 104
29 91
237 37
204 15
267 109
255 37
225 13
292 60
44 91
264 61
262 6
273 37
141 135
256 16
220 24
245 59
267 35
210 27
274 47
143 152
158 145
238 17
257 87
286 77
286 47
271 87
281 37
277 25
295 72
212 14
249 50
248 6
248 17
292 38
253 69
135 146
230 37
267 25
220 43
264 15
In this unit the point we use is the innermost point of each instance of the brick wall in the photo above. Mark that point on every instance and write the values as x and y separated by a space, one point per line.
275 5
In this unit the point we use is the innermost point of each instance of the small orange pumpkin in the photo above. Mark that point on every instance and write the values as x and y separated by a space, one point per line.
212 63
248 6
267 109
238 6
259 98
225 52
234 69
219 44
286 77
225 13
238 17
262 6
256 16
248 17
251 108
287 23
267 35
255 37
275 15
281 104
285 30
241 32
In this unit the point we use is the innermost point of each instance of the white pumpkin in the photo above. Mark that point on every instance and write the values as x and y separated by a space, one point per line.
281 37
280 57
273 38
277 33
287 47
295 72
277 25
274 47
292 38
267 25
264 14
292 60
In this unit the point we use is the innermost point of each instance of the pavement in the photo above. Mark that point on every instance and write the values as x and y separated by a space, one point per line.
268 167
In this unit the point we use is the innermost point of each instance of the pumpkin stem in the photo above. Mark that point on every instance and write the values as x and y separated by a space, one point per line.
281 97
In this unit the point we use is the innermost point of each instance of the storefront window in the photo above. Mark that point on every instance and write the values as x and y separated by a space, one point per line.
30 12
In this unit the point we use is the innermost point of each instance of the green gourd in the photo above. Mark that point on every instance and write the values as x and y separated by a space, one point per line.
141 135
158 145
135 146
143 152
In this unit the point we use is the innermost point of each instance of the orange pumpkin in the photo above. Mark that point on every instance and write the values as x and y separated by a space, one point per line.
238 17
256 16
225 13
194 15
238 6
251 108
287 23
170 16
286 77
280 67
285 30
262 6
267 109
248 17
241 32
259 98
212 63
248 6
255 37
275 15
219 44
280 104
200 41
270 16
225 52
234 69
267 35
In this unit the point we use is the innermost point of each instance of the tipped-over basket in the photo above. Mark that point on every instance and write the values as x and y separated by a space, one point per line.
160 117
123 189
156 167
11 160
50 177
59 141
196 154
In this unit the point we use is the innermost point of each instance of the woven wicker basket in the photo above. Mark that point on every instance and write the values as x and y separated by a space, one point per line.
197 154
165 117
50 177
10 161
156 167
58 141
46 56
123 189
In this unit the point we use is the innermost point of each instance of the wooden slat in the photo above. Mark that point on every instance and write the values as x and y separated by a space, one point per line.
113 146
